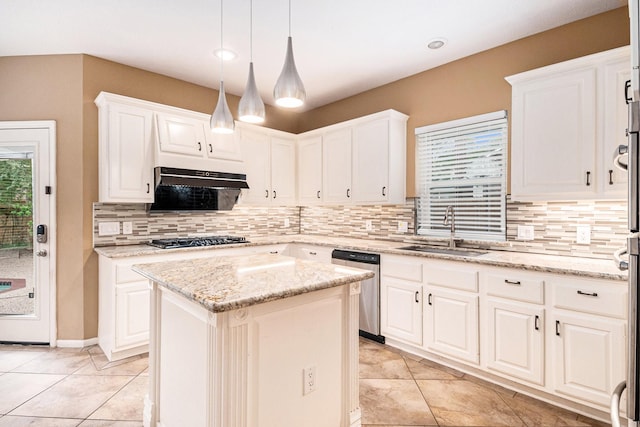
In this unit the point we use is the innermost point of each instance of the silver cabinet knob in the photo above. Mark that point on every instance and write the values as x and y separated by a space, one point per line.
41 252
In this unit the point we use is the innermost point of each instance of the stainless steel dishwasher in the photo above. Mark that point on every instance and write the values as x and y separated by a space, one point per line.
369 292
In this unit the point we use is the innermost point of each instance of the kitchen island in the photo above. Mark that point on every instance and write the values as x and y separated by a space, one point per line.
261 341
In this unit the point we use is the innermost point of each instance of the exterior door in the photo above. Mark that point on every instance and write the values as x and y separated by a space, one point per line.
27 232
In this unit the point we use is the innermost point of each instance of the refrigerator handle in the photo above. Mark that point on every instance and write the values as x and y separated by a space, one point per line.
615 404
621 151
617 257
632 163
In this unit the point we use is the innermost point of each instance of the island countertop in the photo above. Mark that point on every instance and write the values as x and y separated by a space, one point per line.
228 283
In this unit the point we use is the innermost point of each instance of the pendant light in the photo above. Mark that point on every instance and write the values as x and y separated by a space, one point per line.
289 91
221 119
251 107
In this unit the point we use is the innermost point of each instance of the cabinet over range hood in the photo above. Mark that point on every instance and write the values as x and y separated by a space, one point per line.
195 190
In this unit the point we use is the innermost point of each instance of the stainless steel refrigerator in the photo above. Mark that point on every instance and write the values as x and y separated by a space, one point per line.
632 163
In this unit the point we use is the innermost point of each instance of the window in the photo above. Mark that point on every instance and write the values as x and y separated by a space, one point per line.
462 163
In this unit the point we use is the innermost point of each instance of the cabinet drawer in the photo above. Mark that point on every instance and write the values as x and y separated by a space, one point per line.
516 287
453 276
407 268
124 274
607 299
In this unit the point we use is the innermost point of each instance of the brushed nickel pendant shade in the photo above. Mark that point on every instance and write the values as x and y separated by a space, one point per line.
289 90
251 108
222 119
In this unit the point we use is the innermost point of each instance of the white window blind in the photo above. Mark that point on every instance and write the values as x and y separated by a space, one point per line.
462 163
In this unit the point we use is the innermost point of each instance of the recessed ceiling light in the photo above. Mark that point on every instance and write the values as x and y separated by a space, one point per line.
225 54
436 43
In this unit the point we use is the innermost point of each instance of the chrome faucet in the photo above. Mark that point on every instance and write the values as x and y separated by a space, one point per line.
450 219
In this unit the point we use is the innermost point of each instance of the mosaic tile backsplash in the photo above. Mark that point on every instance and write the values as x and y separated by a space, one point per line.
554 224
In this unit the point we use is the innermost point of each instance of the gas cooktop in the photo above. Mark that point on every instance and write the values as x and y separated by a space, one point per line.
185 242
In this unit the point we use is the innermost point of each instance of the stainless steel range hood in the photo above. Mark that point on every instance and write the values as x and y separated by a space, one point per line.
195 190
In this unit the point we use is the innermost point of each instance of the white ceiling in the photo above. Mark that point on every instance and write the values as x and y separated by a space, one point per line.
341 47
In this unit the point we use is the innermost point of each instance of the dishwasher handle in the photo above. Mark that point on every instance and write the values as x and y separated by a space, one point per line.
615 404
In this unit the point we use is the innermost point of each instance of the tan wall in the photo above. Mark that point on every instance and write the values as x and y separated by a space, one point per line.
475 84
50 88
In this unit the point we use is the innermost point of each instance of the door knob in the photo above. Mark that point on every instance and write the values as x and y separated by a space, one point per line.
42 252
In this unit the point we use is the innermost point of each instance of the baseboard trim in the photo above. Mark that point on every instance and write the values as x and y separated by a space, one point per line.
77 343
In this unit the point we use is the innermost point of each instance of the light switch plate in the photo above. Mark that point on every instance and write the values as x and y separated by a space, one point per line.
525 232
127 227
108 228
583 234
368 225
403 227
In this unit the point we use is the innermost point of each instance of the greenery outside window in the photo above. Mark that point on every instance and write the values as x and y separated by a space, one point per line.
463 163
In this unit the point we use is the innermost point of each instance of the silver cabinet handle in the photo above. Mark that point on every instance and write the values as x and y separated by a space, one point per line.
557 327
512 282
274 194
610 176
384 191
199 146
313 253
429 301
148 188
266 194
536 323
348 192
416 296
588 294
614 409
210 148
318 194
588 178
42 252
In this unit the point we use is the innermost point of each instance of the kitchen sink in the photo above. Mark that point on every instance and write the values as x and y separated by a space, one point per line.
441 250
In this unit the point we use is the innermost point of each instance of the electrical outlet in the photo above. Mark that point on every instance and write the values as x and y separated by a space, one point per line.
403 227
309 380
108 228
127 227
525 232
583 234
368 225
286 222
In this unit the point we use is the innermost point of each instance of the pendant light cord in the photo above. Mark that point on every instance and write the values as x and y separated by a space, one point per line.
289 18
221 41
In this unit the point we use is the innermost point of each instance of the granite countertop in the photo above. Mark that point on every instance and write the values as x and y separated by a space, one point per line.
587 267
231 282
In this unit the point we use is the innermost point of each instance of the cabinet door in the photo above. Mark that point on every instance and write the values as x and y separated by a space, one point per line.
128 148
589 356
451 323
181 135
370 178
132 314
554 137
223 146
401 310
516 340
283 171
336 166
616 73
255 148
310 171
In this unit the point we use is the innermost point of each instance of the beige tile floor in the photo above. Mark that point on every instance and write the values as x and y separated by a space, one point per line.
79 387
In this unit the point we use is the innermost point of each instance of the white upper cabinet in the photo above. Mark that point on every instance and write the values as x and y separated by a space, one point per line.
336 166
270 162
565 121
363 160
310 171
126 151
181 135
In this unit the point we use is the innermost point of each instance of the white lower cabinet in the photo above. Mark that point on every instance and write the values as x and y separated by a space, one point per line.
516 339
589 358
556 334
402 318
132 312
401 298
451 323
